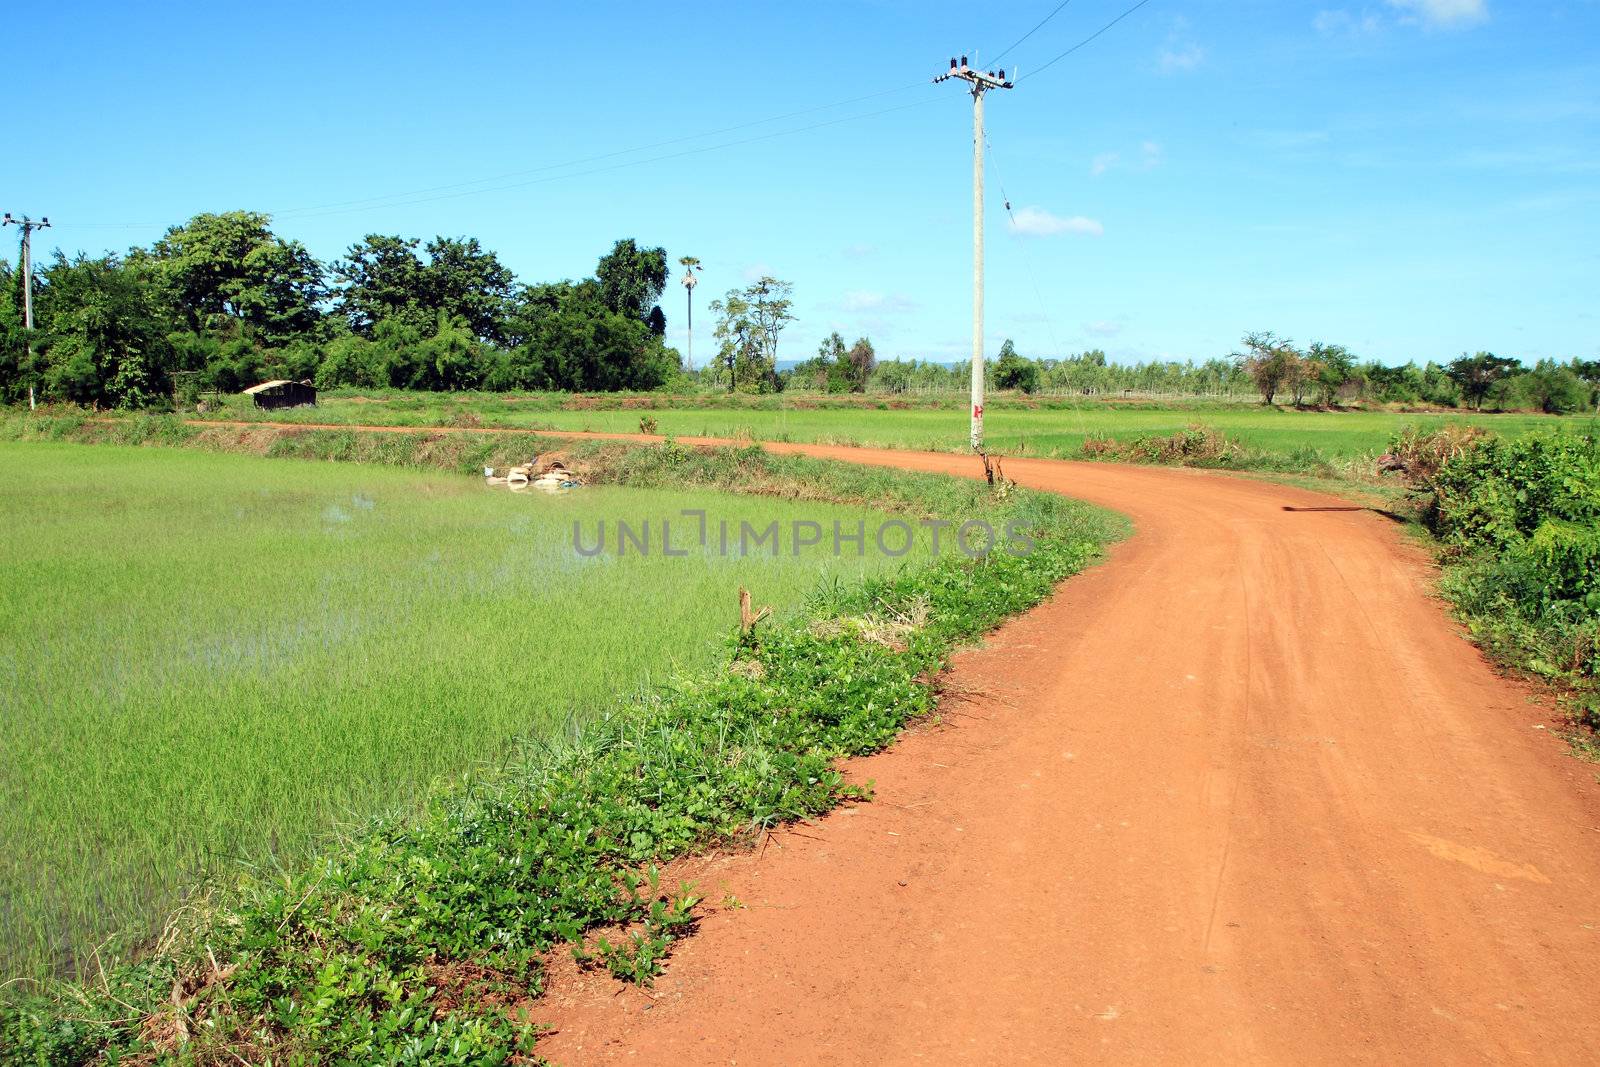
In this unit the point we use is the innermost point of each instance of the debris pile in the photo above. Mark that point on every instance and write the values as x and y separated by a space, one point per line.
554 477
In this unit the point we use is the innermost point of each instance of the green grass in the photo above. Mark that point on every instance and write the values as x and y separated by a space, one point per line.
407 938
211 658
1052 428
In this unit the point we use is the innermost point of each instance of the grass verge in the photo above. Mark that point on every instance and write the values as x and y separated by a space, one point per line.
421 939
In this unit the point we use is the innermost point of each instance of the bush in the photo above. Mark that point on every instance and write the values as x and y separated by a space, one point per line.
1016 372
1196 444
1420 454
1499 492
1520 525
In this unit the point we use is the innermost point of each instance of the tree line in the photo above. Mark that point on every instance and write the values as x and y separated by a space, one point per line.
1273 367
223 302
1328 374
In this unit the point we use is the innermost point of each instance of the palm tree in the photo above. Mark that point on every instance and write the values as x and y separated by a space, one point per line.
691 267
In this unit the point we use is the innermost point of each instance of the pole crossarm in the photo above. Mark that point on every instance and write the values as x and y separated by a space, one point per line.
979 80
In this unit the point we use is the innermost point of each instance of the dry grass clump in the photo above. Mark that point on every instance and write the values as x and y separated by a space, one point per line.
1194 443
1420 453
891 629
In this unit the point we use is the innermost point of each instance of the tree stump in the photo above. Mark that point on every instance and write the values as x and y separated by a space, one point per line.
747 617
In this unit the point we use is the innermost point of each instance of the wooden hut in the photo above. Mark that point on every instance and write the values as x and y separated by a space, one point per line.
281 393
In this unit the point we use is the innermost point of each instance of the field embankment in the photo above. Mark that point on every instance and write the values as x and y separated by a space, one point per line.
421 931
1261 438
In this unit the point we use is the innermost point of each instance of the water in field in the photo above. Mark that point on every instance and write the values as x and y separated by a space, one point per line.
213 658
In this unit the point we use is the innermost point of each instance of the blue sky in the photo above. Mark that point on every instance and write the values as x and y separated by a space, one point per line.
1413 178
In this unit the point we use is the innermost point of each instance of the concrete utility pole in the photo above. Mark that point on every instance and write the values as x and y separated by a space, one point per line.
691 278
28 226
981 83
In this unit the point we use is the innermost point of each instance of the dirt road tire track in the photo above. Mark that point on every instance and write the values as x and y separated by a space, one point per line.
1240 793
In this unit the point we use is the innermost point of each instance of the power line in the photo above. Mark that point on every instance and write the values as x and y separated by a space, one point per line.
1007 50
1086 40
402 198
629 163
456 190
1027 262
605 155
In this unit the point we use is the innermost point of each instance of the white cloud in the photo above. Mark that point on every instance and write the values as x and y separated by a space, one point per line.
1430 14
1037 222
1341 23
1446 14
1182 57
1150 156
859 300
1179 52
859 251
754 272
1102 328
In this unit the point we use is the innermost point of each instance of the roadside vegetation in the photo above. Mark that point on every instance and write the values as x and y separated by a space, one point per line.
1518 529
419 933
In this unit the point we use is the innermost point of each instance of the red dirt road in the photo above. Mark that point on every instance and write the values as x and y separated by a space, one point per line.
1239 793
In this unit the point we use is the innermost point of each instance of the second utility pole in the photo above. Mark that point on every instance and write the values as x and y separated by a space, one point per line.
28 226
981 83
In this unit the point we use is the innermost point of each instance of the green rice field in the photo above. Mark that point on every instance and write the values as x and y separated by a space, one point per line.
211 659
1044 428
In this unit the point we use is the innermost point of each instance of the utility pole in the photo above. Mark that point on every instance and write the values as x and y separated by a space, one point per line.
28 226
981 83
691 278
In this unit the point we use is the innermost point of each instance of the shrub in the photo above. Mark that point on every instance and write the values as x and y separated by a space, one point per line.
1498 492
1419 454
1195 444
1520 525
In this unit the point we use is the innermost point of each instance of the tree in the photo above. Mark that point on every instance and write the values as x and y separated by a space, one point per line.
106 342
819 371
860 362
739 350
1270 360
1436 386
1477 374
570 339
232 268
1554 388
16 371
631 280
1332 367
465 281
893 376
772 307
1013 371
1589 371
382 278
749 322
